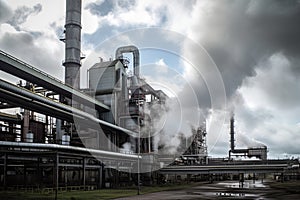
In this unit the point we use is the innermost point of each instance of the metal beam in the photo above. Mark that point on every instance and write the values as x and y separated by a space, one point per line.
259 168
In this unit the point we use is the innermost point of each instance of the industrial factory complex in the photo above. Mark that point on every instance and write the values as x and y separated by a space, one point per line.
101 136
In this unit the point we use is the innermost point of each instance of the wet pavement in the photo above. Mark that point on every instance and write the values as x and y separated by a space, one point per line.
220 190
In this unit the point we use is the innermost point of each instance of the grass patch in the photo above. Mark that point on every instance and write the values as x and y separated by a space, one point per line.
102 194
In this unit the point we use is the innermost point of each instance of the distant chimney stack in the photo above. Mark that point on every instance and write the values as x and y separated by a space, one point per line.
232 132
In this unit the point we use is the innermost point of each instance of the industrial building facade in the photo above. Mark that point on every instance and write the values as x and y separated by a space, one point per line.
101 136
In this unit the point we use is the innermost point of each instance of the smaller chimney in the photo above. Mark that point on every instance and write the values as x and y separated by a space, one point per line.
232 132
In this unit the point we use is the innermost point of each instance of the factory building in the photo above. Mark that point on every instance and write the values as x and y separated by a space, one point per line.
54 140
64 136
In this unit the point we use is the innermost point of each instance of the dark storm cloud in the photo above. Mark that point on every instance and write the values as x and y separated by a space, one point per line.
127 4
102 8
240 33
22 13
256 47
269 7
106 31
5 11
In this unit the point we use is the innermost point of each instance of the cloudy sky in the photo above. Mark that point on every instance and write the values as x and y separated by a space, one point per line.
240 56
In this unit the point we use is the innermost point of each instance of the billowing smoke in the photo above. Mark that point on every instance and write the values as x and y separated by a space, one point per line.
242 37
239 36
172 124
245 140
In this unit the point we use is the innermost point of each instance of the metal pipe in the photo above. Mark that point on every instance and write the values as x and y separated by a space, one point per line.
28 94
18 68
68 148
61 107
136 57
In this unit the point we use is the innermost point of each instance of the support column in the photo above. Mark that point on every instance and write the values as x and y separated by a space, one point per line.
25 124
83 174
56 168
211 180
188 178
66 176
38 171
241 177
100 176
24 178
5 171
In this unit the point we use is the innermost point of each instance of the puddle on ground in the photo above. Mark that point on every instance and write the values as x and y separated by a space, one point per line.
229 194
225 194
223 190
246 184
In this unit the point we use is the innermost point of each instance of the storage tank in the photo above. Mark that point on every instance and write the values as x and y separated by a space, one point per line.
65 140
29 137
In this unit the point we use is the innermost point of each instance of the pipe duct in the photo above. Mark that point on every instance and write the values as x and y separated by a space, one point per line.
136 57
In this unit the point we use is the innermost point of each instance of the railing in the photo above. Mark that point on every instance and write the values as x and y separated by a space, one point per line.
49 190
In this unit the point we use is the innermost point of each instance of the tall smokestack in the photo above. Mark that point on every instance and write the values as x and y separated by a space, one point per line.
73 43
232 132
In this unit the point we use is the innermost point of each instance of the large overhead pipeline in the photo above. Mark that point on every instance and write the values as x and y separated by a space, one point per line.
69 148
136 57
11 89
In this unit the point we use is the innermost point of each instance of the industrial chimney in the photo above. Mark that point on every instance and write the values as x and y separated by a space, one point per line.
72 52
232 132
73 43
